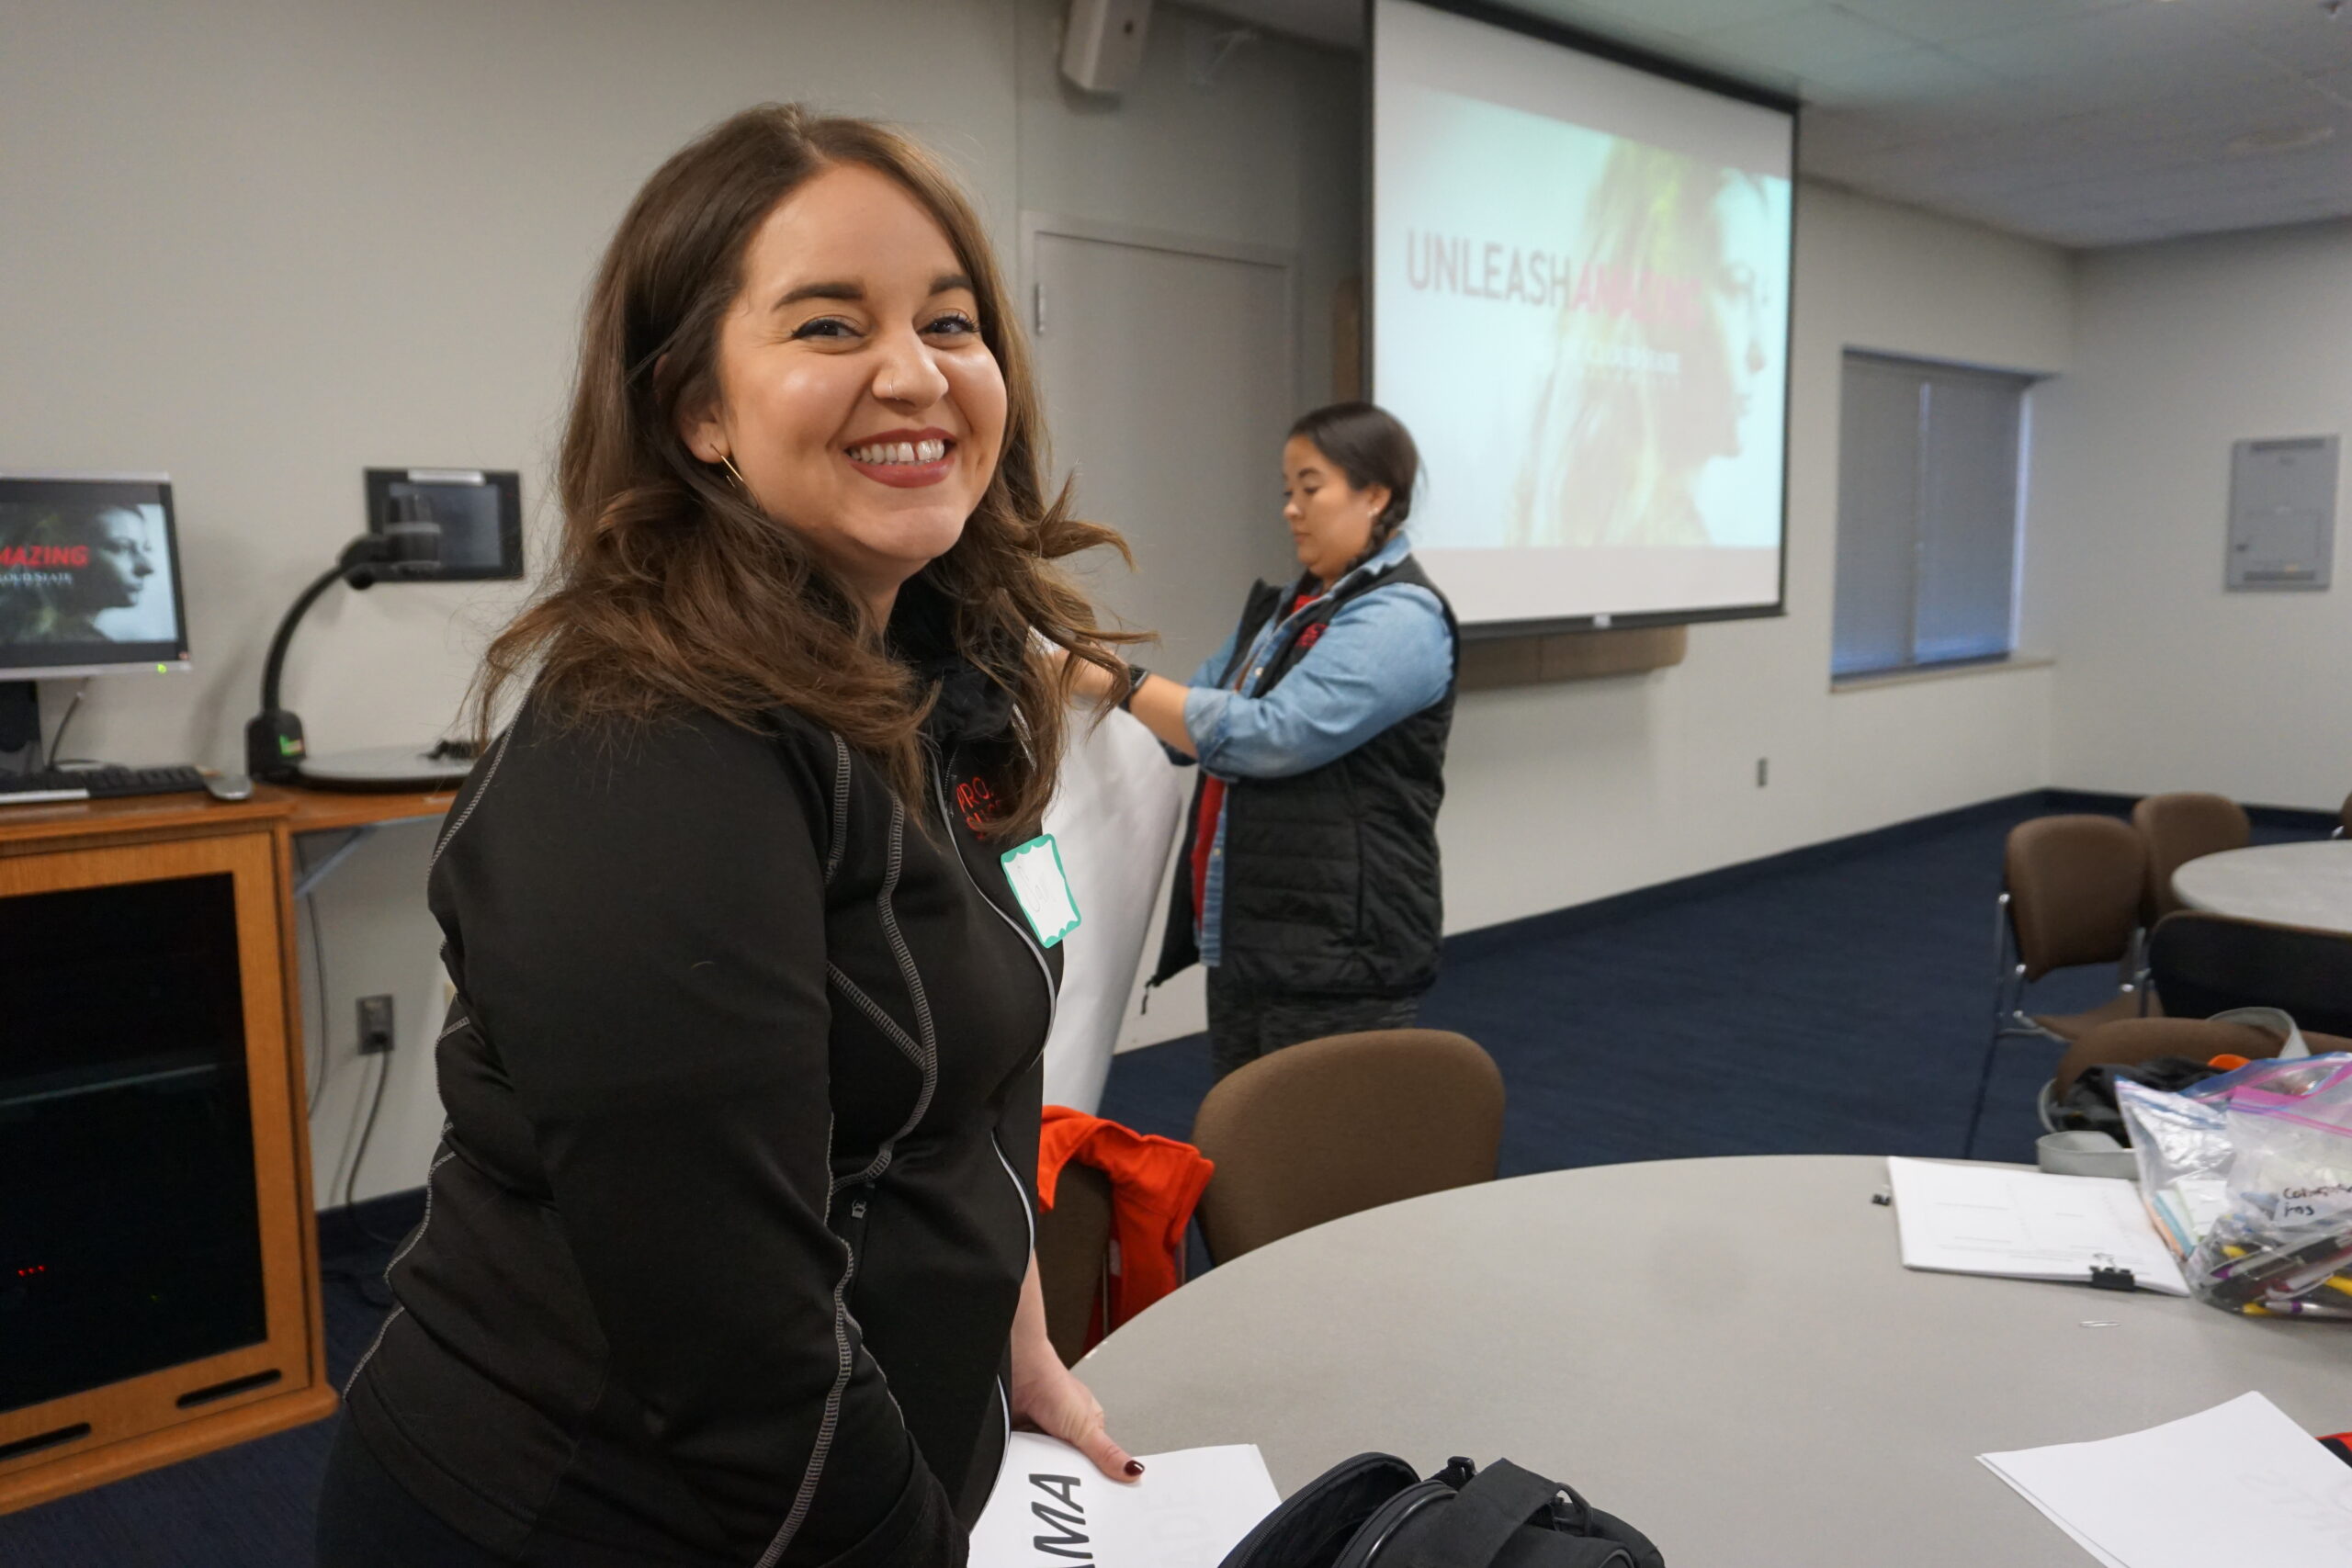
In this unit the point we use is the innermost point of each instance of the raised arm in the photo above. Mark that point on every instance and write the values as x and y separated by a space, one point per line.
1381 658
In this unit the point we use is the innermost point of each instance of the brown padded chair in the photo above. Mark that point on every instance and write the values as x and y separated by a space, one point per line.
2177 828
2206 964
2073 886
2071 892
1333 1126
2131 1040
1073 1252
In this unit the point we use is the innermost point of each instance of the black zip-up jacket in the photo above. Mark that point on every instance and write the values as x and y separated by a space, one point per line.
724 1238
1332 886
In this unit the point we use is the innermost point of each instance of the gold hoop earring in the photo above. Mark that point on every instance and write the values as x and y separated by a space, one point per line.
727 461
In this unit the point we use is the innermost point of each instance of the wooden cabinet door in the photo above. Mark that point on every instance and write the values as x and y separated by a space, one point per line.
157 1267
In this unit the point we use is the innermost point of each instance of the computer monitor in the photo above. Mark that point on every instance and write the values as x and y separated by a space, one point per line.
89 576
480 512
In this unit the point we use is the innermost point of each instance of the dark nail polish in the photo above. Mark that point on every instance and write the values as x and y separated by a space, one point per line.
1135 1468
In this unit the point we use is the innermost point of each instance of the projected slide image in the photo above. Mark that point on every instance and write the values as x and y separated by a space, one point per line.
1580 307
85 573
1624 304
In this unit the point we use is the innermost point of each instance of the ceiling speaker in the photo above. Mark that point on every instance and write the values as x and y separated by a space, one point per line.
1103 43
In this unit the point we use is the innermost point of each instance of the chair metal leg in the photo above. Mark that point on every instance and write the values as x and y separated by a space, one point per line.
1976 1107
2005 974
2008 1017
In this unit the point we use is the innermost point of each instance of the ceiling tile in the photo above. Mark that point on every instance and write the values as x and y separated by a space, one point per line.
1688 19
1819 39
2129 52
1919 74
2082 122
1940 21
2296 33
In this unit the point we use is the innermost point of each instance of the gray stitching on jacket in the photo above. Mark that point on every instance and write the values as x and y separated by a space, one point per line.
826 1426
841 811
926 1057
873 1010
497 755
925 1051
406 1247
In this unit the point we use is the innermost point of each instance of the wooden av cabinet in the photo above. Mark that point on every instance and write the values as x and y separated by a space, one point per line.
159 1275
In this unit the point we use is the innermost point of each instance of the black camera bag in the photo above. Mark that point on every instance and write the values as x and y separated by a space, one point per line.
1373 1511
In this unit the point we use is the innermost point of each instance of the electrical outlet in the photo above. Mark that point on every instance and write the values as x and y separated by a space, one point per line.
375 1025
1763 772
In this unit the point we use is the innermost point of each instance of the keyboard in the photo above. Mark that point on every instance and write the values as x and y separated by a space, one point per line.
94 783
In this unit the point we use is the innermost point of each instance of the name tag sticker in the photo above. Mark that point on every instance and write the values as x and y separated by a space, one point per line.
1039 882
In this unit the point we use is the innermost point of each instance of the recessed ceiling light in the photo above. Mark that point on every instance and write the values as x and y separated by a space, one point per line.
2278 138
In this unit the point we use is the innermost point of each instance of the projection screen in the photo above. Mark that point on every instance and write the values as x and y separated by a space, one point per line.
1579 305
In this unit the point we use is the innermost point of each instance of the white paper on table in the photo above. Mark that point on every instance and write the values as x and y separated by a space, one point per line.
1978 1219
2239 1482
1052 1508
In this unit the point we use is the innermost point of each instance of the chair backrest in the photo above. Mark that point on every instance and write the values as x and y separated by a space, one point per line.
2203 963
2074 886
2177 828
1333 1126
2130 1041
1073 1248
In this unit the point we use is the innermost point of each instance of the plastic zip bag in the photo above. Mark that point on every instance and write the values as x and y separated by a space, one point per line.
2249 1177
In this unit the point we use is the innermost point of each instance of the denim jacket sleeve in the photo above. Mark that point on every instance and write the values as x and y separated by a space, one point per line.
1205 676
1384 657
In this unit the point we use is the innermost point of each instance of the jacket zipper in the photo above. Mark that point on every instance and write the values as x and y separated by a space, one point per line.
1053 1005
856 1240
1052 998
1053 1010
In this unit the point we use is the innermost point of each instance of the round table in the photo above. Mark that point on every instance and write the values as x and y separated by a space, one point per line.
1725 1352
2294 884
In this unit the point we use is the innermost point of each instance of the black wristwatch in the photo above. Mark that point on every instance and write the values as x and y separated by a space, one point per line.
1136 673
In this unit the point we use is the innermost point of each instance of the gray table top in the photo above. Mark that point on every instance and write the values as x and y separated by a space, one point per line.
1726 1352
2295 884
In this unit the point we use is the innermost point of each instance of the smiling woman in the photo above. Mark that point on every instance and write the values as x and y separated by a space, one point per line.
727 1256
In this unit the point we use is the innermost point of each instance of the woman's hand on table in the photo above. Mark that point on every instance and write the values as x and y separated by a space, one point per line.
1048 1396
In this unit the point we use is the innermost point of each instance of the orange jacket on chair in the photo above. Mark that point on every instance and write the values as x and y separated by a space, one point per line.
1155 1183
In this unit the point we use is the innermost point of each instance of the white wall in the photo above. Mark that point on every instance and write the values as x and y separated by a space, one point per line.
2164 682
1261 146
265 244
1557 795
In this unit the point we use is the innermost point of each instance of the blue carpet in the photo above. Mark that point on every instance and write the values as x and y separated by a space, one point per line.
1839 1006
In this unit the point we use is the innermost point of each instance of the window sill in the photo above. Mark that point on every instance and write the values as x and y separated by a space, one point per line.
1912 676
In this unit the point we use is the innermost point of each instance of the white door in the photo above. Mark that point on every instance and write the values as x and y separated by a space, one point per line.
1169 375
1170 380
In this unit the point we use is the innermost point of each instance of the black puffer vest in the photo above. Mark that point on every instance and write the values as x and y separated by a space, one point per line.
1331 878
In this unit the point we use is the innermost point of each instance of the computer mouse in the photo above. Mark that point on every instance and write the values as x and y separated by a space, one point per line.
228 786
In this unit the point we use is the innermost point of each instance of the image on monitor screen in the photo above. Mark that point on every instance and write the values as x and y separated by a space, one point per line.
89 574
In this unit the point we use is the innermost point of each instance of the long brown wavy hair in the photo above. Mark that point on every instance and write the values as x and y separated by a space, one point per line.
672 590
